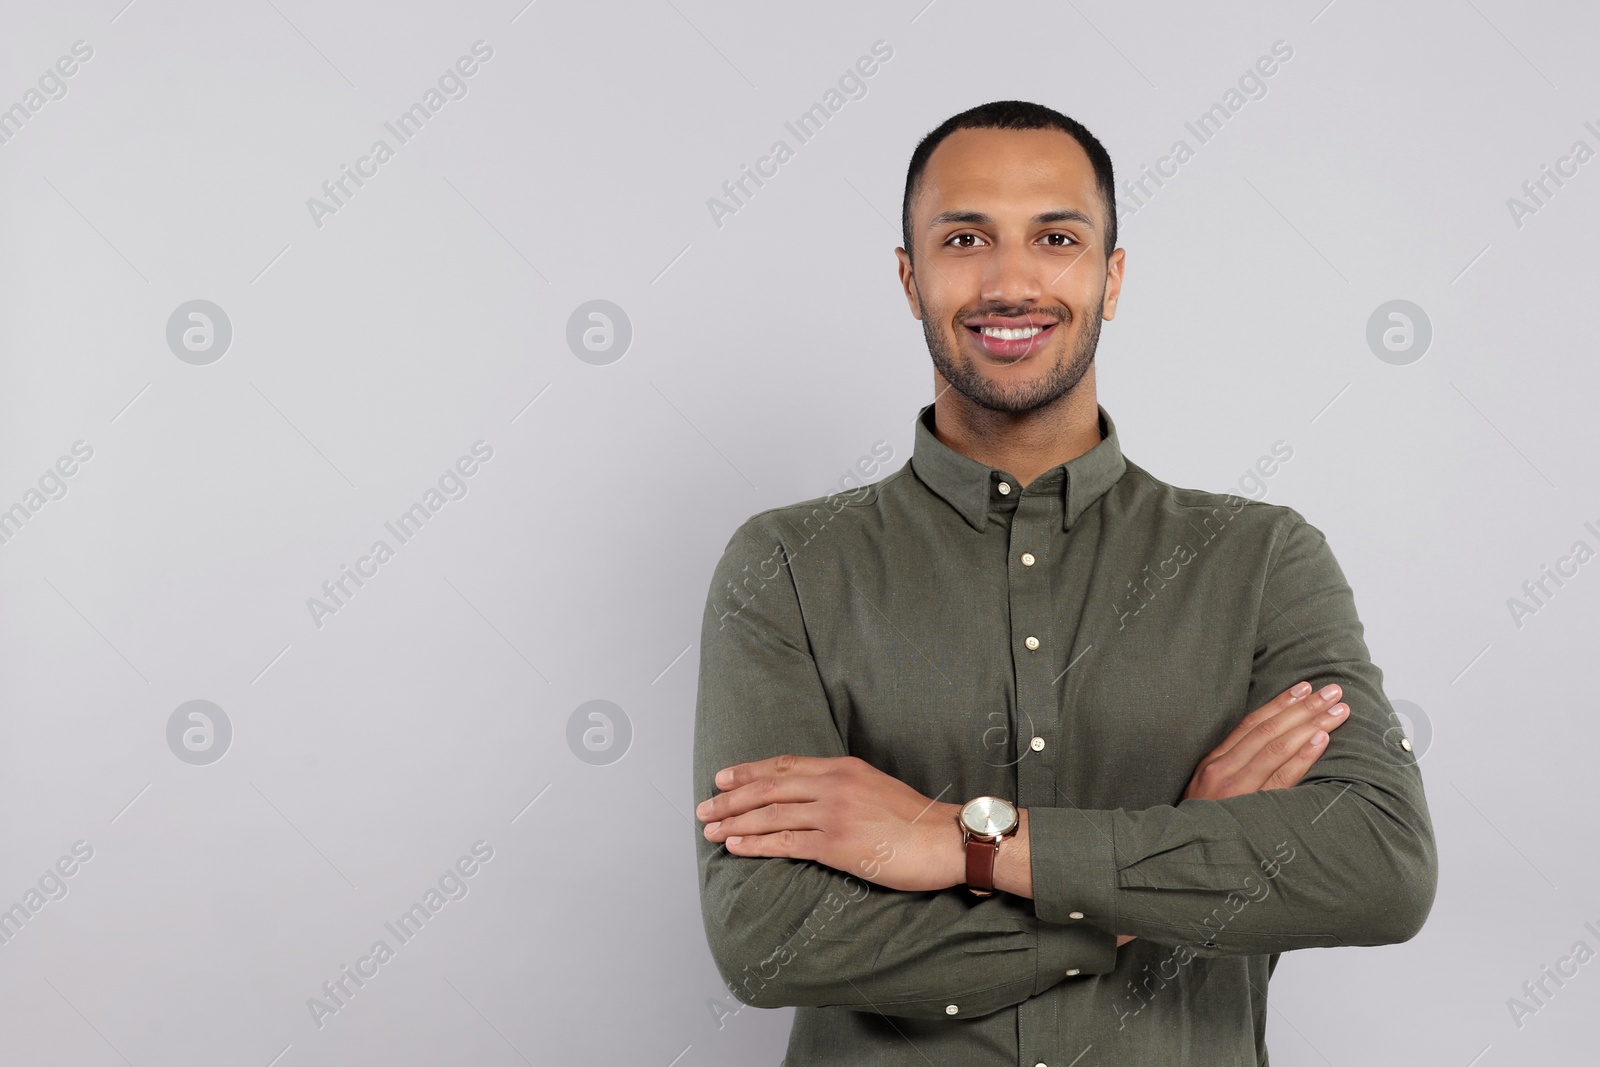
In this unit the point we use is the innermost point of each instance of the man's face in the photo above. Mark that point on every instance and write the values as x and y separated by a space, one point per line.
1011 275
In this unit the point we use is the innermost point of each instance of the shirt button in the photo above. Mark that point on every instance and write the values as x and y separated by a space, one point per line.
1405 743
1027 559
1005 488
1072 972
1075 915
1032 643
950 1009
1037 744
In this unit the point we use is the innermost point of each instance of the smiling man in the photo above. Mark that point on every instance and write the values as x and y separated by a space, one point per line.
975 787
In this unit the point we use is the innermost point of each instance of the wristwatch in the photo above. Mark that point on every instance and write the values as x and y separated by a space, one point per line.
985 822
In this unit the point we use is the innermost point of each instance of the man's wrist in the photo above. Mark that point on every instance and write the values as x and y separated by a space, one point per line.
1013 868
951 844
1013 865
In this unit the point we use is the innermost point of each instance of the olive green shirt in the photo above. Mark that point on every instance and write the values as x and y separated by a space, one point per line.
1075 646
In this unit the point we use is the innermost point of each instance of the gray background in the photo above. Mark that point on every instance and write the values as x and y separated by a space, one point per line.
768 355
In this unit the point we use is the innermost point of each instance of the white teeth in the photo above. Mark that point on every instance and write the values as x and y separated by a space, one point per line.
1007 334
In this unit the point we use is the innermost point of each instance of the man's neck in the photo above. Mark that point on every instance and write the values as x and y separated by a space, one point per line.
1027 443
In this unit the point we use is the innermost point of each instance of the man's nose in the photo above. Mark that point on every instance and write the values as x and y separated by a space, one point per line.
1011 277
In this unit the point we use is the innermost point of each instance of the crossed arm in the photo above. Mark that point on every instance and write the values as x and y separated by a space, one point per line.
792 877
840 810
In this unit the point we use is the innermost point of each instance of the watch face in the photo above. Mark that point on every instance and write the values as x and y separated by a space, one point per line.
989 816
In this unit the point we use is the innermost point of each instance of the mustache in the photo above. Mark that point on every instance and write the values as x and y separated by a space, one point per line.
1038 316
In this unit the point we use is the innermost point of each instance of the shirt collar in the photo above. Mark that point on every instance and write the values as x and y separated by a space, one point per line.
969 486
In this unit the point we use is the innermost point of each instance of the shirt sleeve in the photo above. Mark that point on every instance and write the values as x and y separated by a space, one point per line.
797 932
1346 857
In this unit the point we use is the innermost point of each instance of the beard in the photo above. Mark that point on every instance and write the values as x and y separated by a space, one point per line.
1061 378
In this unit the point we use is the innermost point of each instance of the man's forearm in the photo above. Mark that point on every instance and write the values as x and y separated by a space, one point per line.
1322 864
1326 882
797 933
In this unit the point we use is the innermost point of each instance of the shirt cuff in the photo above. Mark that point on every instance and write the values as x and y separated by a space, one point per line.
1074 867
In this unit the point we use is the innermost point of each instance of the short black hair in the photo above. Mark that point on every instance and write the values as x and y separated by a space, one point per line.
1013 115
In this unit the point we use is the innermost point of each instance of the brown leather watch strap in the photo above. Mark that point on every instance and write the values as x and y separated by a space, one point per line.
980 866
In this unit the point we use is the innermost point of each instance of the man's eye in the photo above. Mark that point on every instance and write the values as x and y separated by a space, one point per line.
1066 239
962 237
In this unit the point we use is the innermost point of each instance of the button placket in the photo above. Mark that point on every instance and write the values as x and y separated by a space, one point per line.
1035 528
1036 519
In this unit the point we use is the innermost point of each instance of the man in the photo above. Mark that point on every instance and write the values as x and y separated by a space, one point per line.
973 779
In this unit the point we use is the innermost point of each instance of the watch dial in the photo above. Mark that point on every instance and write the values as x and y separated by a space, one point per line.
989 816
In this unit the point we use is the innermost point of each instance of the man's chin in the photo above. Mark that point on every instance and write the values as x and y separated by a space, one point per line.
1013 398
1015 386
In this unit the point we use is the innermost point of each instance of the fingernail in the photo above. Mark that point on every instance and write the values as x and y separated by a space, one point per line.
702 807
1339 709
1319 739
711 827
724 777
1300 690
733 840
1329 692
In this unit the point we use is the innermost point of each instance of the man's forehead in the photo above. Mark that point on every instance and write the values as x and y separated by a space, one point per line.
1032 171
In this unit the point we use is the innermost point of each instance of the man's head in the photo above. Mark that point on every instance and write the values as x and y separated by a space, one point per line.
1009 223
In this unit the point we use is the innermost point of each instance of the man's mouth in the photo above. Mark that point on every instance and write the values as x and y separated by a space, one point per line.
1011 342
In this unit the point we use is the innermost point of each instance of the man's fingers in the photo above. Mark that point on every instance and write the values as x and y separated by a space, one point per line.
1291 772
786 764
769 819
1278 747
1284 750
1281 702
795 844
1272 727
759 793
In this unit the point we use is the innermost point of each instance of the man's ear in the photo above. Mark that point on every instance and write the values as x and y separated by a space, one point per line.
1114 269
908 282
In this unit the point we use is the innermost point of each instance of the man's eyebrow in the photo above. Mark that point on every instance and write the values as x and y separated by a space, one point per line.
970 218
1065 215
978 218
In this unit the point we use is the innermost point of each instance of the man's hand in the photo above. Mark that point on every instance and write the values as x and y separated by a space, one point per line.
1272 747
840 811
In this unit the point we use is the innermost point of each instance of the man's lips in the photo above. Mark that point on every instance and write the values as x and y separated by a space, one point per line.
1022 339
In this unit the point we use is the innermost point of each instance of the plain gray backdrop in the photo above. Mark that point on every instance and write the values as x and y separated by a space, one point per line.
232 456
